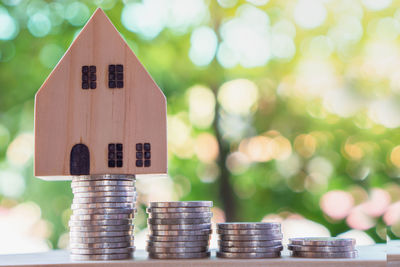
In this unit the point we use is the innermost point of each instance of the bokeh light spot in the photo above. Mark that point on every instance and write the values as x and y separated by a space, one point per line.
337 204
77 13
50 55
8 26
309 14
238 96
203 46
39 25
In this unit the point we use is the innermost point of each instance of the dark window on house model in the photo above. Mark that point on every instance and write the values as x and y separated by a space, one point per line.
115 76
89 77
115 155
143 155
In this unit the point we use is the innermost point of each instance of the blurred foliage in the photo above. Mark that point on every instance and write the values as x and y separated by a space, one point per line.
271 104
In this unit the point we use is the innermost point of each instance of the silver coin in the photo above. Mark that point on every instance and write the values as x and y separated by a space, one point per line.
193 255
178 244
123 256
178 221
251 249
241 244
320 248
248 225
307 254
187 209
176 249
80 251
112 239
249 232
180 232
97 177
184 238
181 204
250 237
109 188
104 194
102 228
253 255
168 227
100 222
323 241
103 200
102 245
129 205
104 211
101 234
101 217
180 215
102 183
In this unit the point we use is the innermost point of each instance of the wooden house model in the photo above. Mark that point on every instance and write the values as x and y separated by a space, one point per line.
99 111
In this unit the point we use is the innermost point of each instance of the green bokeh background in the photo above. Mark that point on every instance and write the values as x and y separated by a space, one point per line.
27 58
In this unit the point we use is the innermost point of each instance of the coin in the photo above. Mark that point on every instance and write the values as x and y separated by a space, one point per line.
180 227
307 254
249 243
176 249
180 215
93 200
323 241
320 248
249 232
186 238
122 256
251 249
100 222
250 237
181 232
178 221
106 188
102 245
129 205
101 228
105 194
178 244
180 204
187 209
100 234
101 183
248 225
251 255
97 177
80 251
193 255
104 211
87 240
101 217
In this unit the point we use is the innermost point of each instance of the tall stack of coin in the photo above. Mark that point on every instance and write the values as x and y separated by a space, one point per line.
249 240
101 223
323 247
179 230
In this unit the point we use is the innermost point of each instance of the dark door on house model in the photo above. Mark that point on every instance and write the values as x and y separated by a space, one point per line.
79 163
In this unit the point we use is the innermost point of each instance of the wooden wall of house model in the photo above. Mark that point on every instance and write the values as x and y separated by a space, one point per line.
99 111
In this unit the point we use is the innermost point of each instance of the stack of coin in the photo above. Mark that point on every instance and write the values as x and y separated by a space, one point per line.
179 230
101 222
323 247
249 240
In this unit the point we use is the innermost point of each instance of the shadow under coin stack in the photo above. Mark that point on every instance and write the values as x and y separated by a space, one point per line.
179 230
101 223
323 247
249 240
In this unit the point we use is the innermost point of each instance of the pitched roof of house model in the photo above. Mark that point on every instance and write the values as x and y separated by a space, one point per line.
99 111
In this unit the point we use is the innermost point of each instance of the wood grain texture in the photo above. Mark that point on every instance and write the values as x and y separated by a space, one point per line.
66 115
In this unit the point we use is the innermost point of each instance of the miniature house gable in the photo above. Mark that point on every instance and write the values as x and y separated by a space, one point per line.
99 111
